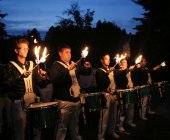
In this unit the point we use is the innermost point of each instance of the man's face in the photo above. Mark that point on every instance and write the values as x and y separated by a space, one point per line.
106 60
143 62
22 50
65 54
123 64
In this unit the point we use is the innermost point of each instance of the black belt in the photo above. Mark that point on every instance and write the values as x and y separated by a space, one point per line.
76 99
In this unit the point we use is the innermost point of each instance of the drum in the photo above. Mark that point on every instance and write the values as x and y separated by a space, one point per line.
155 89
121 97
43 115
130 96
94 101
127 95
165 86
144 90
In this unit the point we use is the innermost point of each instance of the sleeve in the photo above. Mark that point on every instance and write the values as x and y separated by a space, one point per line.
117 73
1 81
37 80
55 73
148 71
12 80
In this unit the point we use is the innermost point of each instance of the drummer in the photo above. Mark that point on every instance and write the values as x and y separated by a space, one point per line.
123 81
66 91
105 83
19 81
141 76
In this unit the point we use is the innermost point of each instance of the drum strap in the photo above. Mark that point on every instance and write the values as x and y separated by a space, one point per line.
112 85
130 83
149 79
75 88
28 80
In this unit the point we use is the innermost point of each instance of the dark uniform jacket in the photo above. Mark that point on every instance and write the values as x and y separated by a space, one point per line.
62 82
14 83
120 78
2 92
140 76
102 80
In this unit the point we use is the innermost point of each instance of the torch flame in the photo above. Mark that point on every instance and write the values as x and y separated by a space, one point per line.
43 58
35 41
37 50
39 60
119 58
138 59
84 52
163 64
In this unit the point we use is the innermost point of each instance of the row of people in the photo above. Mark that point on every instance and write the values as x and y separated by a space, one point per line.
20 82
115 83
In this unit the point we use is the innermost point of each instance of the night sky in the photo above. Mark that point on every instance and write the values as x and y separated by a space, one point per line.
42 14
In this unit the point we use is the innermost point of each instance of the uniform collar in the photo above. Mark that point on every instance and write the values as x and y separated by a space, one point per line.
20 64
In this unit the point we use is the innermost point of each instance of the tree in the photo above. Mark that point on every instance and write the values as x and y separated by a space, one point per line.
34 34
152 35
3 33
88 18
77 31
154 29
76 18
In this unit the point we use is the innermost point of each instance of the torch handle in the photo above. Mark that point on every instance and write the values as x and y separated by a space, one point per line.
39 63
35 67
79 60
115 65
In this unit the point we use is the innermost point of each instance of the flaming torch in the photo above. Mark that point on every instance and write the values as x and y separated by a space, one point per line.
35 41
84 54
138 59
119 58
39 60
163 64
37 50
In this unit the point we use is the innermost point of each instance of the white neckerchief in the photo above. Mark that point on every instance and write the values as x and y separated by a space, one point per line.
28 80
112 85
75 88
